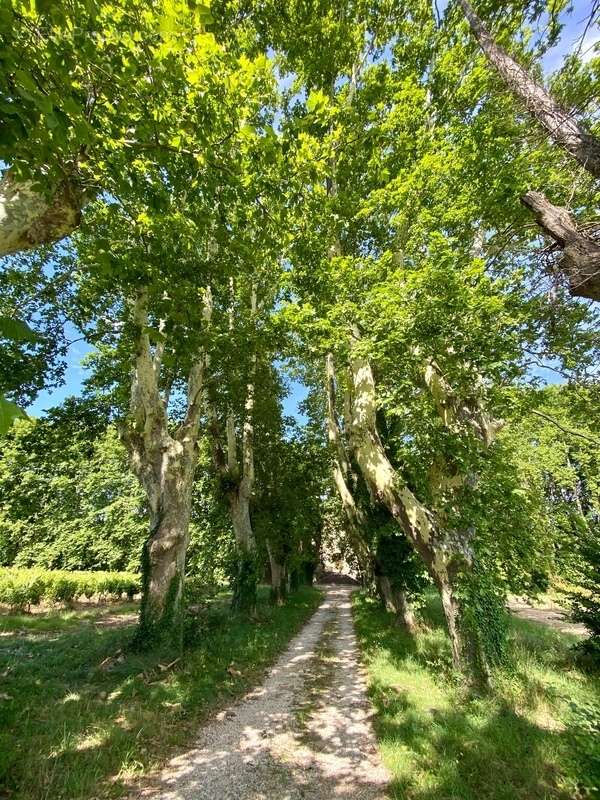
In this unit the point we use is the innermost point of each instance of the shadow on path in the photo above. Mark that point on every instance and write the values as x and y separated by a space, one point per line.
305 733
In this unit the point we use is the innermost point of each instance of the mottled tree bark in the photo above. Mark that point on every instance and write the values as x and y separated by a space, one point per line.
244 588
444 555
581 254
562 128
394 600
341 473
404 612
164 463
451 607
455 411
238 483
28 219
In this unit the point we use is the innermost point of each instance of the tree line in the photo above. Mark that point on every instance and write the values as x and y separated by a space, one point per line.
394 203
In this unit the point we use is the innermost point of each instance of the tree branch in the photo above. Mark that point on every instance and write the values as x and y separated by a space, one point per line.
453 410
558 123
581 253
145 397
568 431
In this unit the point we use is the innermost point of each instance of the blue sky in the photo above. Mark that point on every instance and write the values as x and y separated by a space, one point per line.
574 25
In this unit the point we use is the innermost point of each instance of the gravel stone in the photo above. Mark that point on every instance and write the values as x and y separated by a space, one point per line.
305 734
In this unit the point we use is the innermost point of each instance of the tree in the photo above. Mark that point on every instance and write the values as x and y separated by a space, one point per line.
148 259
85 87
69 500
237 475
390 568
164 463
240 380
391 278
581 260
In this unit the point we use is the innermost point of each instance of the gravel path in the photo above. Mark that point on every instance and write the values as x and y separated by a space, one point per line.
552 615
305 733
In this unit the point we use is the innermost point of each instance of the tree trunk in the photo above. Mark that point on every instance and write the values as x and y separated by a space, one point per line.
451 608
163 559
443 555
244 594
294 579
244 590
397 603
385 590
239 480
559 124
28 219
164 464
405 613
246 578
341 473
278 578
581 259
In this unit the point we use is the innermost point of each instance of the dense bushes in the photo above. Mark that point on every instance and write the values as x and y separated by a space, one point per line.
585 602
20 588
69 501
67 497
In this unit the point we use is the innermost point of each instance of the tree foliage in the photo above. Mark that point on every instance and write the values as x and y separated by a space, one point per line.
249 185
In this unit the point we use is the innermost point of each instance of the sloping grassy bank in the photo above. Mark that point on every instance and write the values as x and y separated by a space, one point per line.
536 738
80 717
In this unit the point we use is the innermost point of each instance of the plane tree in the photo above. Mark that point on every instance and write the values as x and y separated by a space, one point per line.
151 262
392 280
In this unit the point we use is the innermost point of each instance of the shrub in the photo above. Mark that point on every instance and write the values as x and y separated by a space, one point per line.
21 588
585 603
196 590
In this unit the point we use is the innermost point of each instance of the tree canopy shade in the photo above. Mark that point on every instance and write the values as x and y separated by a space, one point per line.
336 188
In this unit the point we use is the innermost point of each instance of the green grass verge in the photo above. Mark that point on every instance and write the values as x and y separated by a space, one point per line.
56 619
536 737
74 725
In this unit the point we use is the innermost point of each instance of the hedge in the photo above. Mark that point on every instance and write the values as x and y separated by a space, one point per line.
20 588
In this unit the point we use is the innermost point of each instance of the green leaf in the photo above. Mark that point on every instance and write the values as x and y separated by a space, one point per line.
26 81
317 101
43 102
16 329
71 107
52 121
155 335
9 412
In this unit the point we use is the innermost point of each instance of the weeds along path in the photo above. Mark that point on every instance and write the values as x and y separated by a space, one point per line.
305 733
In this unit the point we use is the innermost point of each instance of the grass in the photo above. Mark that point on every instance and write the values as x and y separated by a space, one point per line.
537 737
55 620
80 717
